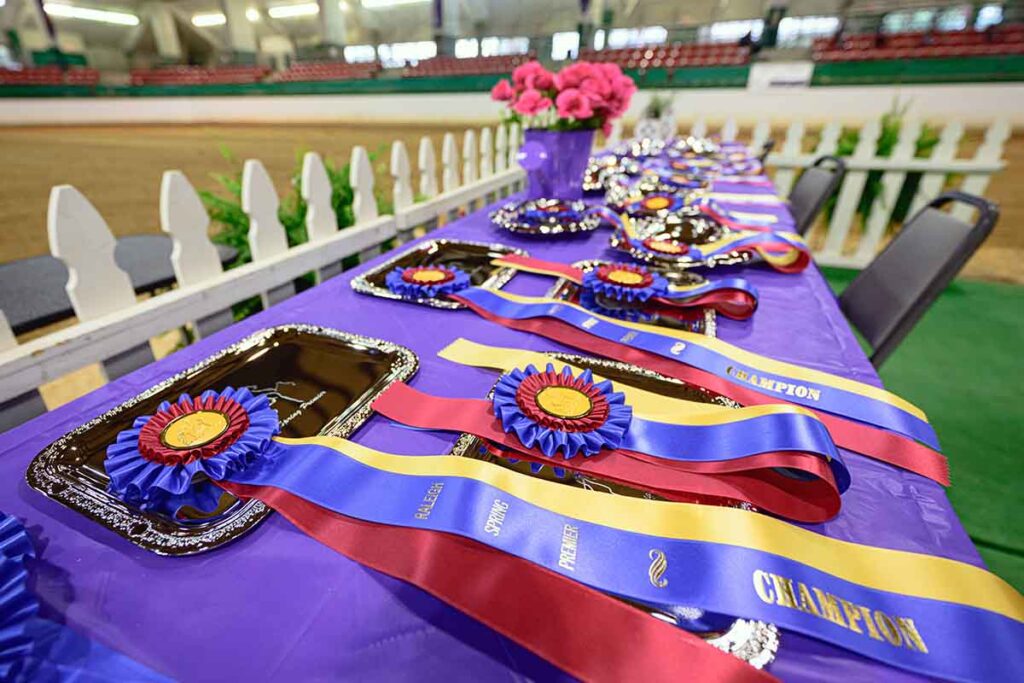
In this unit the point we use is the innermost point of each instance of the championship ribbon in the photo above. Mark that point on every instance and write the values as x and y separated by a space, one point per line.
485 537
786 252
860 417
643 290
776 458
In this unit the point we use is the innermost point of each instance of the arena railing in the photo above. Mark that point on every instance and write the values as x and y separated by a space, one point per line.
114 328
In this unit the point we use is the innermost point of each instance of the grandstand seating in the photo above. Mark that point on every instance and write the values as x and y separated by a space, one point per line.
328 71
453 66
1006 40
197 75
49 75
676 55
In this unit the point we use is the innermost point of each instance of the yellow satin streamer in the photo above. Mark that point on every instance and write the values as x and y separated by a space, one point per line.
912 574
762 363
645 404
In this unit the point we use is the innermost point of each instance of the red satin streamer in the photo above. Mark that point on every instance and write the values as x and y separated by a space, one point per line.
751 479
582 631
858 437
732 303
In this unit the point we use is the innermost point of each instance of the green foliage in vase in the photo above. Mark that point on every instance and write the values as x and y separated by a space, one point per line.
891 124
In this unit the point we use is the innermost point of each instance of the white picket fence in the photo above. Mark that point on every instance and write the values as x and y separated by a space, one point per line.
114 328
847 243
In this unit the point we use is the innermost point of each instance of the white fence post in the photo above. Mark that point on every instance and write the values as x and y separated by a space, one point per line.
615 136
267 238
699 129
96 285
193 257
486 153
729 128
428 168
501 148
449 164
401 193
790 148
321 221
892 182
364 203
991 150
762 131
849 194
931 183
470 167
21 408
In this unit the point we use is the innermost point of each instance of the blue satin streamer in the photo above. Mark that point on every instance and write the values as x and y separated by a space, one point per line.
715 443
963 643
832 400
703 251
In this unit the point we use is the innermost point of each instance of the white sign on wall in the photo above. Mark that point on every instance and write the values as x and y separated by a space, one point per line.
780 75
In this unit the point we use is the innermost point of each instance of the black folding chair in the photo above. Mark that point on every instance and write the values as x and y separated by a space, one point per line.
815 185
887 298
766 149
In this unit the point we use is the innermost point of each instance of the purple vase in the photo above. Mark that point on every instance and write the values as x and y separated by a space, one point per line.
555 161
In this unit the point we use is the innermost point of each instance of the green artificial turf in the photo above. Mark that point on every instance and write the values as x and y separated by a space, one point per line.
963 364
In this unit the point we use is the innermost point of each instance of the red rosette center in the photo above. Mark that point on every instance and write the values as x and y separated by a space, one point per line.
562 402
187 432
427 275
625 275
670 247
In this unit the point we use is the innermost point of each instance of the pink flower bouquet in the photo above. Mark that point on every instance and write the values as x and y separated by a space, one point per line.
582 96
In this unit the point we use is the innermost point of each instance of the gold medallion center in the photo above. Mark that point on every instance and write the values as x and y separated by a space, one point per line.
564 402
625 277
429 276
657 202
194 429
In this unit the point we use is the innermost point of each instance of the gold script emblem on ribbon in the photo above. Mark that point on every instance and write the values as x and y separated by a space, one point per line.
194 429
659 565
564 402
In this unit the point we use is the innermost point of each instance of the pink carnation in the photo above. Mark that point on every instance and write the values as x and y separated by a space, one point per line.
532 102
503 91
573 75
574 103
532 76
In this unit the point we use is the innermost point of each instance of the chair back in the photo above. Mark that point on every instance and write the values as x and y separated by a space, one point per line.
766 149
812 190
887 298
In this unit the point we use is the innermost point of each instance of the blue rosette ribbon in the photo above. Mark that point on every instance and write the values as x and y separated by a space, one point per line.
152 465
561 412
426 282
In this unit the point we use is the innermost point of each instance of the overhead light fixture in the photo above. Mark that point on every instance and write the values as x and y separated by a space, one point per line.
305 9
252 14
385 4
211 19
90 14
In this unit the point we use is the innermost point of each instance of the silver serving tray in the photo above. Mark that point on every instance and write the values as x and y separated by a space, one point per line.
707 321
754 642
507 218
312 396
441 251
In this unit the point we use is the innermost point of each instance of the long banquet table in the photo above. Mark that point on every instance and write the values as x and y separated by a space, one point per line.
278 605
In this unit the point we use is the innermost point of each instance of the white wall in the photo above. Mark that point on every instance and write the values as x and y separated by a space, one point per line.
972 104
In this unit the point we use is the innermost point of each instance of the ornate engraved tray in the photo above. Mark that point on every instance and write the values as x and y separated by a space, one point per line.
472 257
755 642
702 320
687 227
320 381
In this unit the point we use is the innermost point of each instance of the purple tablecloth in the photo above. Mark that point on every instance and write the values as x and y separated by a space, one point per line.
278 605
